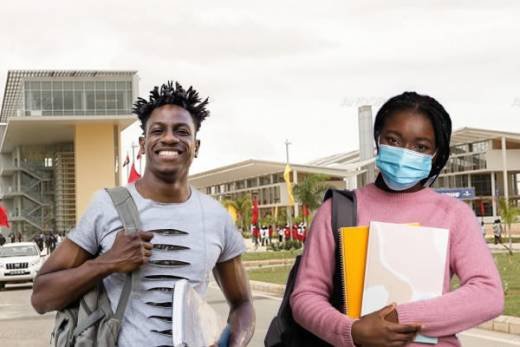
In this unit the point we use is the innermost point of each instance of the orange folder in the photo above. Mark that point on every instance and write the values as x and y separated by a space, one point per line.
353 243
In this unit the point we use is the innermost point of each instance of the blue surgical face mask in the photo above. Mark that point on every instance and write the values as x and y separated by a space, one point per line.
402 168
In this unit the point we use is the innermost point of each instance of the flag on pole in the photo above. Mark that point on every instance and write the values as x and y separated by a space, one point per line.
287 179
134 175
233 212
127 160
254 217
4 221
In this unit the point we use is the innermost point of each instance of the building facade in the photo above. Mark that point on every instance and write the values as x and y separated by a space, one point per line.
59 142
485 160
263 180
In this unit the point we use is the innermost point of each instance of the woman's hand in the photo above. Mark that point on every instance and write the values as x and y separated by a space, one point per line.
373 330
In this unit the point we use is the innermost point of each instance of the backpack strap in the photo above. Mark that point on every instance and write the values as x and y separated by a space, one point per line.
344 214
129 215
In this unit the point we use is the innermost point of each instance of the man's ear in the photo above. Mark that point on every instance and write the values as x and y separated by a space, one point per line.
197 146
141 145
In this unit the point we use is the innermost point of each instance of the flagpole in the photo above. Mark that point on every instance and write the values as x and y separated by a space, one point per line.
289 209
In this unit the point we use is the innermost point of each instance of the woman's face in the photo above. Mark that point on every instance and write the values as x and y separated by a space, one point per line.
410 130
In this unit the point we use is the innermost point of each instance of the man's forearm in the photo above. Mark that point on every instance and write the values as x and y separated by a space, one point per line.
55 290
242 323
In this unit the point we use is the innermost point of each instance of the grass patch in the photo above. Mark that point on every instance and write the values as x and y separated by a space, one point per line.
271 255
276 275
508 267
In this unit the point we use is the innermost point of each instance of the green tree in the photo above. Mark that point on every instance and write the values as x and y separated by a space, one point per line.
310 191
508 214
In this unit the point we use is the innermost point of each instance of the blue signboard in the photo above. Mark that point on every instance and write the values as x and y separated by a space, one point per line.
458 193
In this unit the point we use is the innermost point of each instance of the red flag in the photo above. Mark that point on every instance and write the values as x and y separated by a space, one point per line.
254 217
127 160
134 175
4 221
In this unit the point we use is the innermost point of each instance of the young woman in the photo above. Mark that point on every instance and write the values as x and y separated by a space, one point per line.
412 133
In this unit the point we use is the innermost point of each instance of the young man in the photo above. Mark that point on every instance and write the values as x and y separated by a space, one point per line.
186 234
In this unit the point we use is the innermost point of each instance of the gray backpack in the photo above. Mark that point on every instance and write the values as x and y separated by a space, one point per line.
91 322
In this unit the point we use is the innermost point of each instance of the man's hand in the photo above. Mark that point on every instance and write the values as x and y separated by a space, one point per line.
128 252
372 330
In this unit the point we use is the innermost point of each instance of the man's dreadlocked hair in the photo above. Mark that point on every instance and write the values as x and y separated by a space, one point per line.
170 94
434 111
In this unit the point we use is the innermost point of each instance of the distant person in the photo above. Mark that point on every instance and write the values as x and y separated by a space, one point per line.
483 229
412 136
497 231
12 236
19 236
2 240
280 234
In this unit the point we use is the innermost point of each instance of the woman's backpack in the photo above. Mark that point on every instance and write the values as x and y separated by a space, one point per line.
283 330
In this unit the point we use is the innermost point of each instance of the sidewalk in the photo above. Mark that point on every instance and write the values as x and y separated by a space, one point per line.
500 247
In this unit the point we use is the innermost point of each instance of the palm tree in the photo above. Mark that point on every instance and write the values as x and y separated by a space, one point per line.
310 191
243 205
509 214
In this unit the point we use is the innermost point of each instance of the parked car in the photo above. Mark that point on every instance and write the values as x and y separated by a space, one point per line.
19 262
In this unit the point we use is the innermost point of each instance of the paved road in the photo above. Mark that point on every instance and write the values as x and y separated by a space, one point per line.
21 326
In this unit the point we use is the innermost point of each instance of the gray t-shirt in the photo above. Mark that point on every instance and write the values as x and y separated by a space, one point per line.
203 233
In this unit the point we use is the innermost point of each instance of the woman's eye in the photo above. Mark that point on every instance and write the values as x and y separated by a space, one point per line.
422 148
392 140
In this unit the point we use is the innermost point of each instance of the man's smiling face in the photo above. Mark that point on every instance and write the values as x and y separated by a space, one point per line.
170 144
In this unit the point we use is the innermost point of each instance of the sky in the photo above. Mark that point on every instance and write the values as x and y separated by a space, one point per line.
277 70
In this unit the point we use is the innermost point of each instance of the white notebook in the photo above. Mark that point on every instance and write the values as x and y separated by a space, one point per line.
404 263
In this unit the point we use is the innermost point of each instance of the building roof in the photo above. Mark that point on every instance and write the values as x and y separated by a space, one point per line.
470 135
458 137
13 92
254 168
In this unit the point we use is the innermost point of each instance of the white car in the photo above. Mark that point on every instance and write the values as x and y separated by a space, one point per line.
19 262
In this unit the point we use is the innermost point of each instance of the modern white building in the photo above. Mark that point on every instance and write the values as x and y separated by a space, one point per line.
60 135
486 160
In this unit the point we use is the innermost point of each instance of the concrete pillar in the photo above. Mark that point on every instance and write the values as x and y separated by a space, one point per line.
296 205
94 157
493 194
366 143
504 169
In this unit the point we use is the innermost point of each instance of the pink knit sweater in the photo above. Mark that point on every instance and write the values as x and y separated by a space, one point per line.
479 298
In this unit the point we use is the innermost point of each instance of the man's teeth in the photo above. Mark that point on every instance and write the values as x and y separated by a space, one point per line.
168 154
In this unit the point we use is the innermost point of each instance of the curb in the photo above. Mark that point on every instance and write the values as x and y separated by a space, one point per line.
503 324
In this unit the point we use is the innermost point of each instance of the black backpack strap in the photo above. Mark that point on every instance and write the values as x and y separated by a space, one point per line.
344 214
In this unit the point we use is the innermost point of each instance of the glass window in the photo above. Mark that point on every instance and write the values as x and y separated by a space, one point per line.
36 101
35 85
57 100
46 86
68 100
89 85
78 100
78 85
110 85
47 100
101 101
128 85
57 85
90 98
100 85
68 85
111 100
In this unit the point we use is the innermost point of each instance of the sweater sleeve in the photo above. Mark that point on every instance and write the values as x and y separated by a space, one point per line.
480 296
310 298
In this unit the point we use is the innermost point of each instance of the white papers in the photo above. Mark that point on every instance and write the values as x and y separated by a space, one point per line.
404 264
194 322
